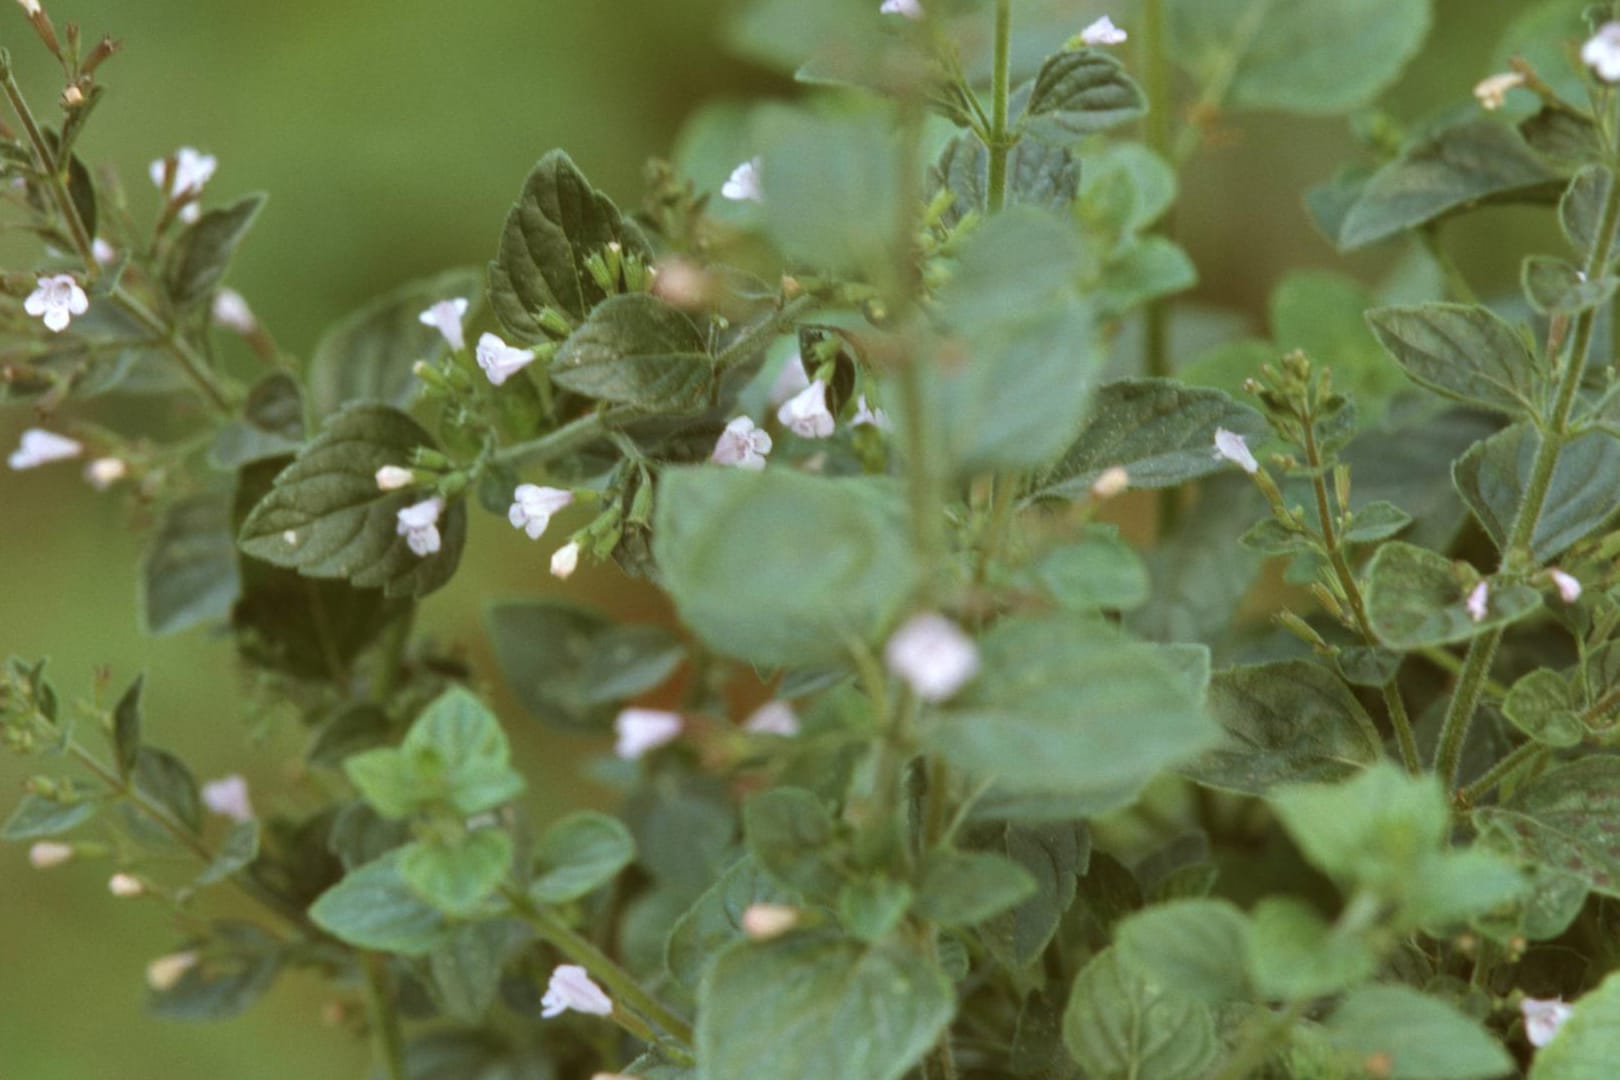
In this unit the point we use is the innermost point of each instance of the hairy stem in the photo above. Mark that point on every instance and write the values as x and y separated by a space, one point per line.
754 338
1525 754
383 1014
564 440
1000 145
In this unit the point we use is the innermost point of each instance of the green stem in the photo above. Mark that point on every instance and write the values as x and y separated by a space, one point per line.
1516 552
1443 660
1155 60
384 1017
193 365
751 340
1261 1044
619 984
1502 770
571 436
1000 91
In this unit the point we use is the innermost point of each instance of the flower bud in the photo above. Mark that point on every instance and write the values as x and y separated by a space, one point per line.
103 473
762 922
394 478
1112 482
126 886
48 854
565 561
165 972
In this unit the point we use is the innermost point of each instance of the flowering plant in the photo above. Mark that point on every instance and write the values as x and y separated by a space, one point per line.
937 774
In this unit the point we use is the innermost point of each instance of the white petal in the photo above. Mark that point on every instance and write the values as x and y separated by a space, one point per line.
1479 602
1103 32
1543 1018
641 730
565 560
773 718
1230 446
932 655
228 797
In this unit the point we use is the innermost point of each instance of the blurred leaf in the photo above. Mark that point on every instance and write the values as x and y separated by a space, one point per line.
828 560
790 834
557 224
1100 571
373 908
235 968
715 919
360 835
871 907
571 667
37 817
1081 92
1290 721
1415 599
1493 475
368 356
165 779
340 524
1125 190
965 888
1466 353
1588 1043
773 1010
1118 1026
355 729
457 875
466 969
126 728
1455 169
1065 704
1309 56
202 253
1374 831
271 425
637 350
1324 314
1143 269
1294 955
1055 856
1568 819
455 754
240 848
1195 946
578 855
189 575
1420 1037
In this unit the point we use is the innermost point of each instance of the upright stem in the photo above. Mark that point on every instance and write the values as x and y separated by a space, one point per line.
1516 553
1000 146
384 1016
1155 61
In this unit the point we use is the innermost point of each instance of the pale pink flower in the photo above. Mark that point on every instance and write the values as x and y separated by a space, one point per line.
230 311
743 184
1479 602
1568 585
56 299
499 360
41 447
789 381
446 317
773 718
394 478
1492 92
1111 482
228 797
126 886
742 445
1601 52
865 415
1102 32
1230 446
103 473
165 972
911 9
806 414
571 988
1543 1018
641 730
419 525
762 922
932 655
532 507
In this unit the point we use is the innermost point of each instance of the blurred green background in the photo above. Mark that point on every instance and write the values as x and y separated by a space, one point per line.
392 135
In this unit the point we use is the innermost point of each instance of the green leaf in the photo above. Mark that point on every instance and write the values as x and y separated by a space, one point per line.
1196 946
1324 313
1375 521
1559 287
1160 432
812 1005
715 920
1420 1037
127 728
1290 721
828 561
1568 818
1375 831
1493 475
1080 92
202 254
1125 190
454 755
271 425
373 908
1100 571
1588 1043
1580 211
1039 174
1067 705
368 356
870 907
189 575
237 964
964 888
1294 955
164 778
1544 706
1054 855
1465 353
573 668
457 876
1119 1026
326 518
1309 56
578 855
240 848
637 350
790 834
1415 599
37 817
352 731
1472 164
466 969
557 224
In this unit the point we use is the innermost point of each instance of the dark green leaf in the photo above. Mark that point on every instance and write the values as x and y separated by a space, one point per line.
1376 521
790 834
1038 174
557 224
164 778
356 729
1420 1037
1415 598
272 425
1568 818
326 518
240 848
578 855
1286 722
373 908
964 888
871 907
37 817
201 255
1055 855
1195 946
189 575
234 969
1580 211
127 728
1119 1026
466 969
1466 353
715 920
1378 830
1080 92
1558 287
1493 475
637 350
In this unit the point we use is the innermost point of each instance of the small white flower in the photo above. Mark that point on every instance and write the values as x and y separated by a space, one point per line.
742 445
499 360
911 9
231 312
126 886
394 478
1111 482
641 730
1230 446
565 560
228 797
1568 586
48 854
1602 52
30 7
875 417
419 525
1492 92
1543 1018
103 252
789 381
1103 32
532 507
743 185
446 316
762 922
40 447
56 299
103 473
1479 602
192 171
165 972
571 988
773 718
806 413
932 655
